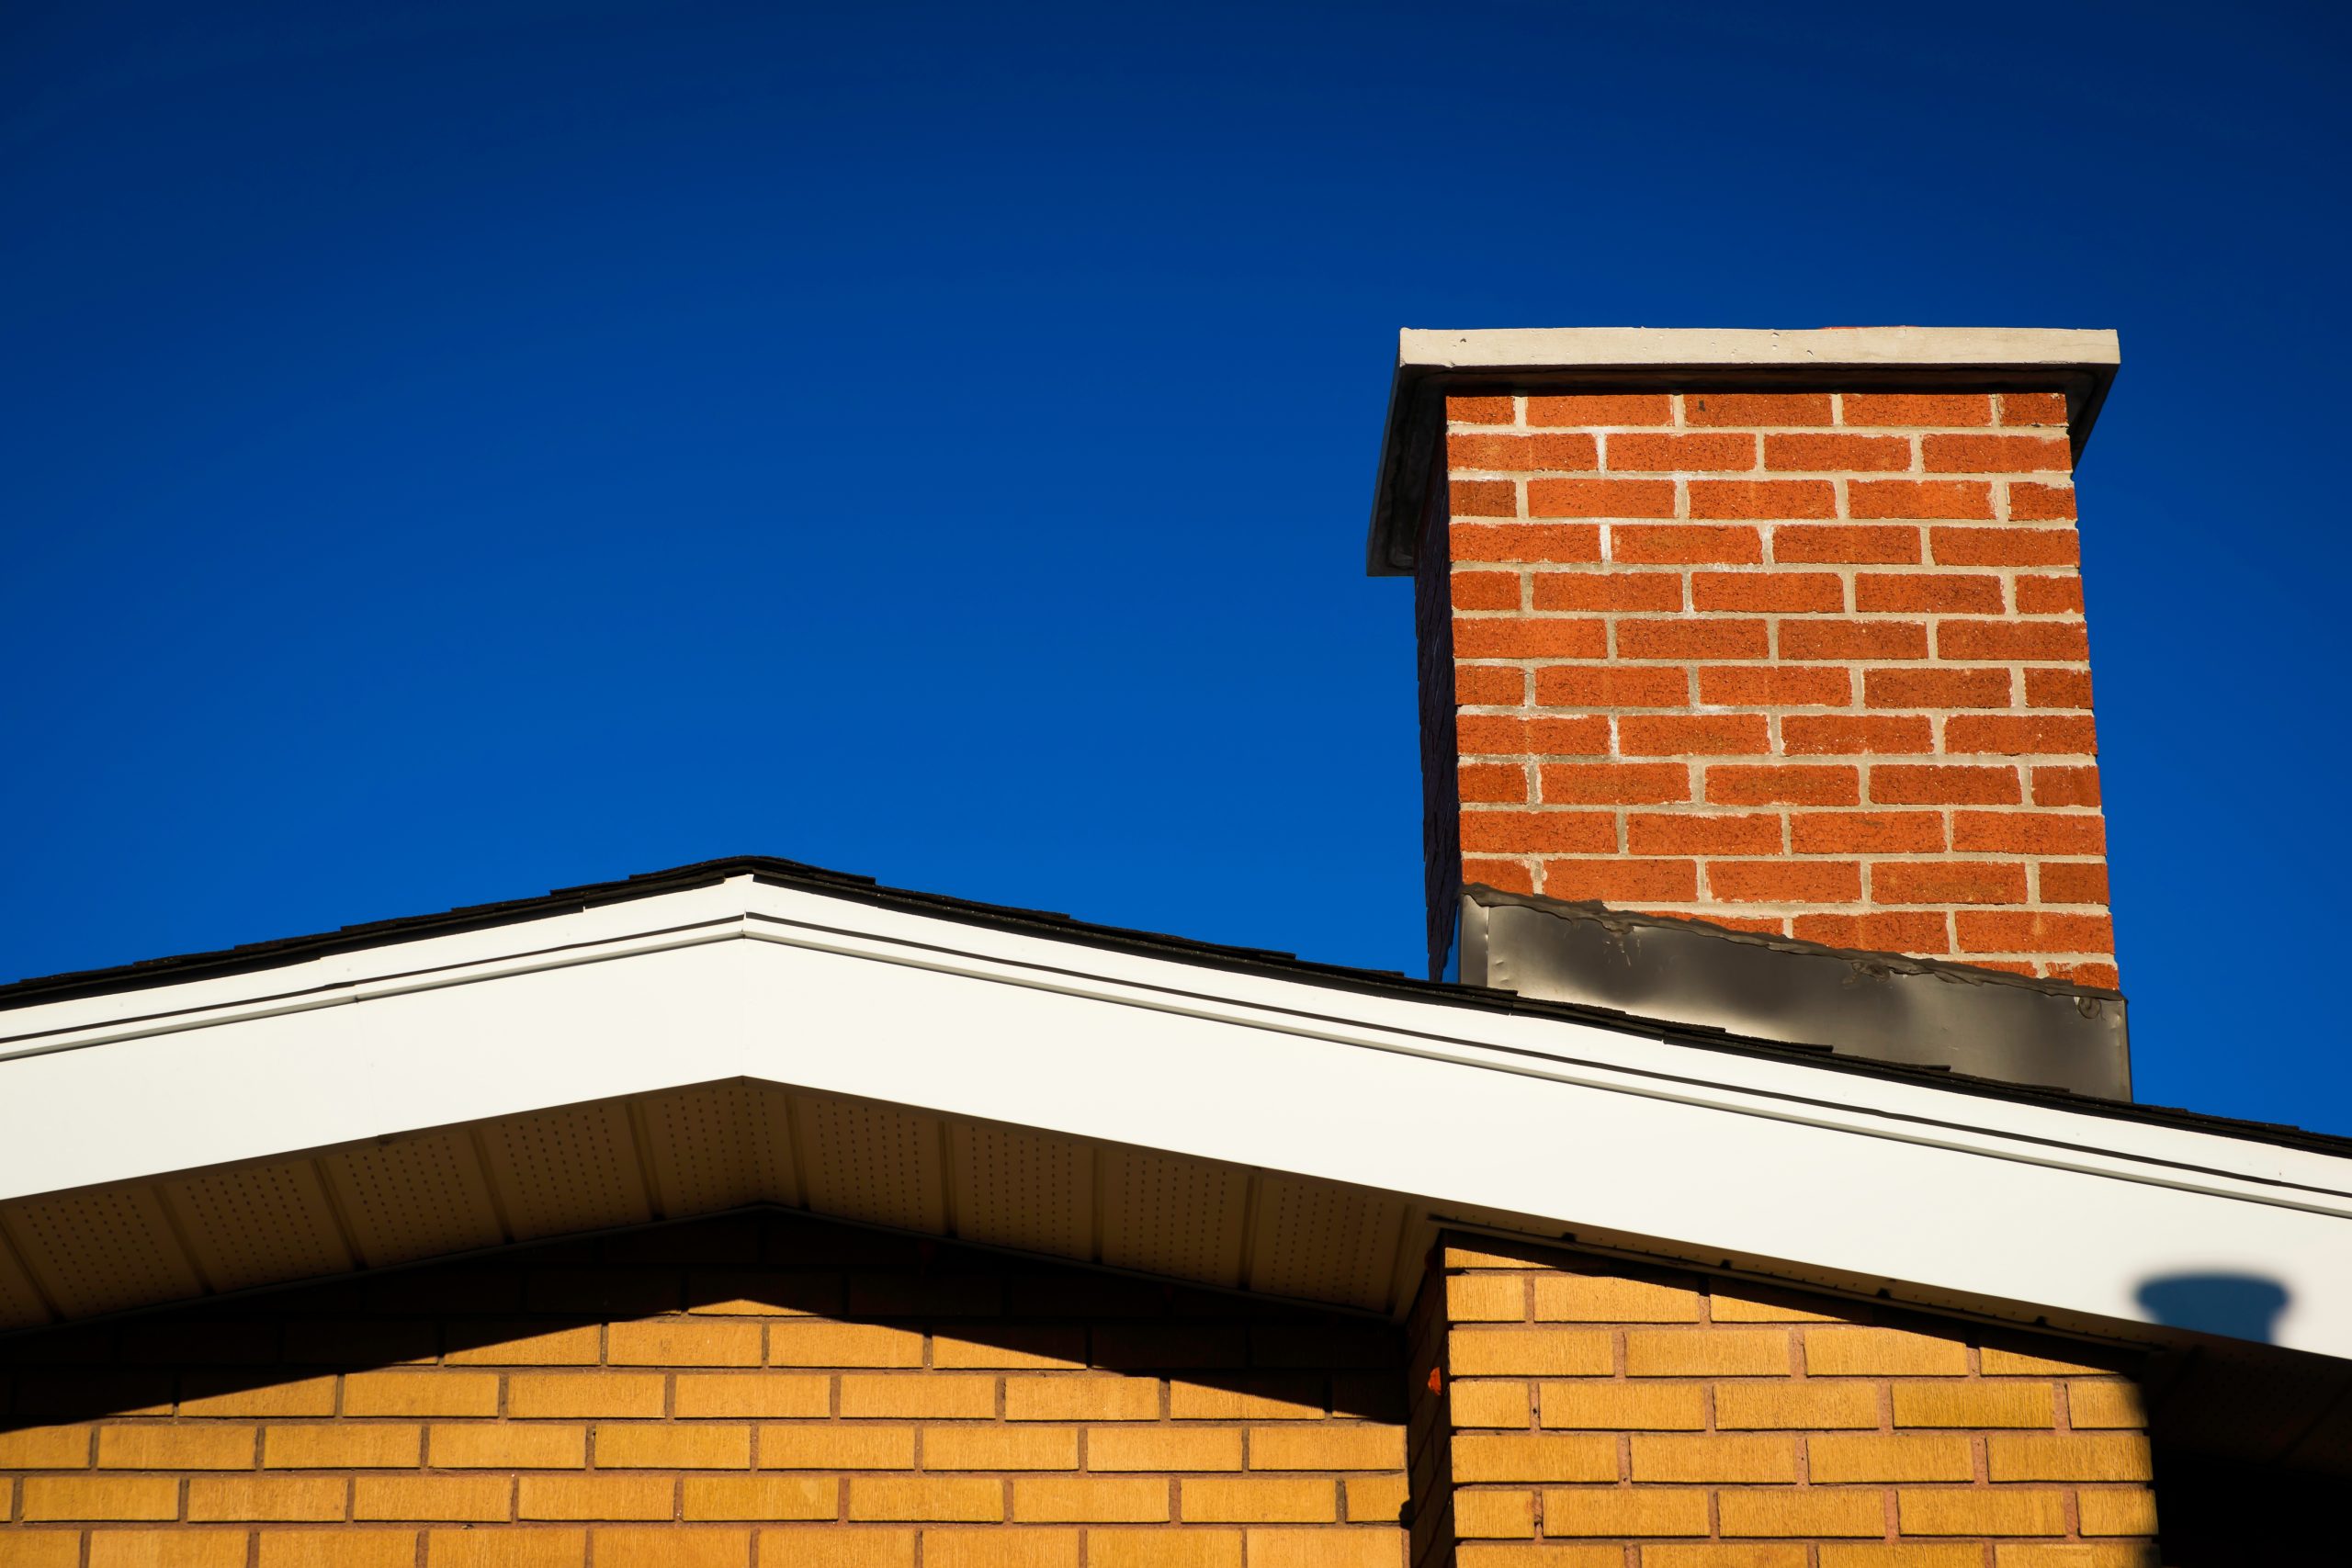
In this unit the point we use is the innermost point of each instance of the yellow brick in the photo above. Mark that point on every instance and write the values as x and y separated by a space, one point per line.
820 1343
1210 1401
420 1393
1536 1352
451 1498
1810 1511
999 1448
682 1342
1067 1500
212 1498
2109 1555
832 1546
558 1348
652 1445
1980 1511
1161 1448
1514 1554
970 1498
596 1497
45 1448
1622 1407
1486 1298
1974 1405
50 1497
163 1549
1860 1458
305 1396
1598 1298
507 1445
951 1352
762 1497
1493 1515
1906 1554
1713 1458
1256 1500
833 1447
205 1446
2009 1364
1326 1448
1480 1258
1722 1308
1082 1398
1620 1510
2074 1456
531 1548
1705 1352
1376 1499
1358 1547
999 1548
945 1396
1488 1404
347 1548
666 1545
1482 1457
1787 1404
52 1549
354 1446
538 1394
2106 1402
1874 1352
2122 1510
702 1395
1163 1549
1750 1555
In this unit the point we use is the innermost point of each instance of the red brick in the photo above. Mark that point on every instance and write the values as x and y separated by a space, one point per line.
1866 832
2050 595
2058 688
1526 541
2072 881
1487 685
1479 411
1853 640
1502 873
1989 931
1602 408
1920 784
2033 408
1825 454
1692 640
2005 546
2031 503
1756 408
2051 641
1786 593
1495 735
1918 498
1947 882
1519 454
1621 877
1686 545
1611 686
1785 881
1846 547
1600 498
2045 735
1917 408
1482 498
1491 782
1615 783
1835 734
2031 832
2066 786
1683 454
1937 592
1764 499
1540 832
1730 784
1996 454
1522 638
1933 688
1609 590
1883 931
1694 735
2100 975
1486 591
1661 833
1775 685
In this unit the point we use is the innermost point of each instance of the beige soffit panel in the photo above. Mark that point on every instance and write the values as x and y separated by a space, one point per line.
412 1198
20 1305
566 1170
1163 1215
1325 1243
1022 1189
720 1146
871 1163
102 1249
257 1224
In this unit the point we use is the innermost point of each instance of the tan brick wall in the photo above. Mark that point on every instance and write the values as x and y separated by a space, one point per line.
1809 662
1599 1416
726 1394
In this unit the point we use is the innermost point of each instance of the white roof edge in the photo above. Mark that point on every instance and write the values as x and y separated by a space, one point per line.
1564 348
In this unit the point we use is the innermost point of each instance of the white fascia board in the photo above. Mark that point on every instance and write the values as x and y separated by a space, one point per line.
1969 1198
1745 348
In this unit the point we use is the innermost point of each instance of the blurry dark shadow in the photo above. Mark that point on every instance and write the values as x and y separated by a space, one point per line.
2240 1306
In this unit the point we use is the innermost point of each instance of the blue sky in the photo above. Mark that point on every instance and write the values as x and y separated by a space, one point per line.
457 450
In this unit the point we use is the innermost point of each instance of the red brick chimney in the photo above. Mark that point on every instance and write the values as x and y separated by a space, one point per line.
1781 630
